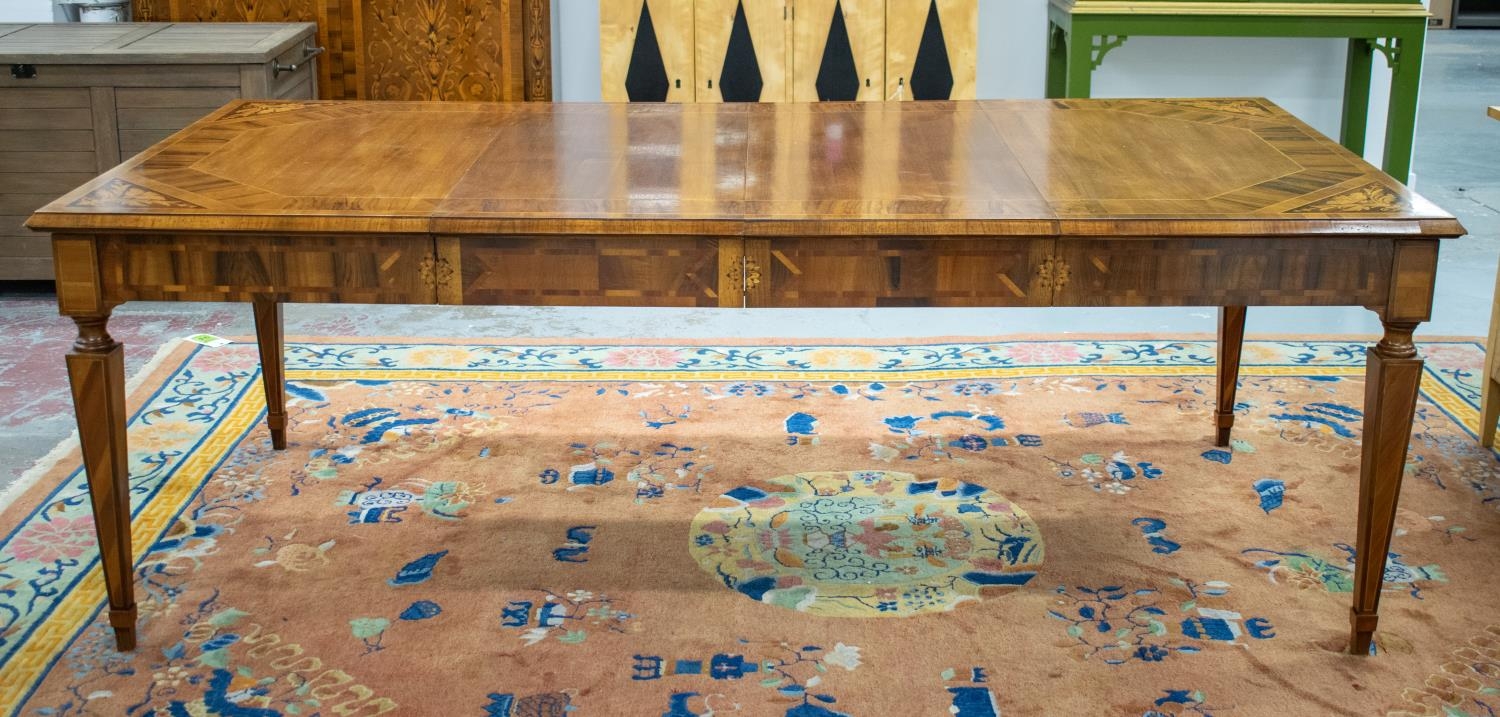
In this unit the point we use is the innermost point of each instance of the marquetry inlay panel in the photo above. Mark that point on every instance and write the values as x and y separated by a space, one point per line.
335 269
405 49
581 271
1206 272
900 272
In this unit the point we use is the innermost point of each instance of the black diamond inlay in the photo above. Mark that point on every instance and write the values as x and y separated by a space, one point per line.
838 78
932 76
740 79
646 78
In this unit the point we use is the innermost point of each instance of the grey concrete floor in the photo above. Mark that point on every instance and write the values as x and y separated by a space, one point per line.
1457 165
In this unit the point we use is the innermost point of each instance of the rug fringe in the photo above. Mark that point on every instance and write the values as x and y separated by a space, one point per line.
13 492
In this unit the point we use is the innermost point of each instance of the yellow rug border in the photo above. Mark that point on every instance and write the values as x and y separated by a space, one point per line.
31 661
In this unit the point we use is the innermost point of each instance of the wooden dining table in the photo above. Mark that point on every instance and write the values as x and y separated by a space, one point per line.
1082 203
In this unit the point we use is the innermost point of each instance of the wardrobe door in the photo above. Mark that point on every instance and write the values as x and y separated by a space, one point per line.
646 50
743 50
931 48
839 50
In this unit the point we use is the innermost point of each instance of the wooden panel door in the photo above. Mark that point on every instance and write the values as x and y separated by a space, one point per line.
743 50
47 148
931 49
838 50
833 272
646 50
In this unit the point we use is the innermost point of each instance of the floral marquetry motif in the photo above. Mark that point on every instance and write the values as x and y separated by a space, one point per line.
261 109
437 49
120 193
1374 198
1249 108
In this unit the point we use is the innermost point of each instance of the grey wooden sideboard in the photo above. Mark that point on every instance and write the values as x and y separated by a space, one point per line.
78 99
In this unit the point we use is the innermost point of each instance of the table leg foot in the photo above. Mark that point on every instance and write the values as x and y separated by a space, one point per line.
1361 632
123 621
1393 377
1231 344
96 374
268 335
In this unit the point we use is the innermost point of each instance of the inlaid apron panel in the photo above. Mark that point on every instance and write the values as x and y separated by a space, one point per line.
583 271
828 272
1205 272
646 50
931 49
324 269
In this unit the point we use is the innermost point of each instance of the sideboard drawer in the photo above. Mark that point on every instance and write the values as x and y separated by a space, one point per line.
832 272
1229 270
591 271
320 269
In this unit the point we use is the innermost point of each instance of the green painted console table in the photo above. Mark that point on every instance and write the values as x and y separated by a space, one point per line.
1082 32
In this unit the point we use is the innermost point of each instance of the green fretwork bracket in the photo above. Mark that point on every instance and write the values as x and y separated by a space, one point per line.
1391 48
1102 47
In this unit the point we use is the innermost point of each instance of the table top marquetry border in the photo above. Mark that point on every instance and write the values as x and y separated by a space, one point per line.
1334 192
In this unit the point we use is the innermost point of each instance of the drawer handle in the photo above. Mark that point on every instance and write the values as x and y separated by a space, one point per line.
23 72
308 53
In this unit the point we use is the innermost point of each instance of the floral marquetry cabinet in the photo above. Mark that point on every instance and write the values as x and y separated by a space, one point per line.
470 50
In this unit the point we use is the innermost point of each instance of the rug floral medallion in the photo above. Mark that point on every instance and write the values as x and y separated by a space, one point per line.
972 528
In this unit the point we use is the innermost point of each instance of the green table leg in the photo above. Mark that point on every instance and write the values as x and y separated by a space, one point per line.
1057 62
1401 120
1356 96
1080 63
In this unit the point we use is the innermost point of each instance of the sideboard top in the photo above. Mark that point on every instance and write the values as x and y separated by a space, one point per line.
150 43
1188 167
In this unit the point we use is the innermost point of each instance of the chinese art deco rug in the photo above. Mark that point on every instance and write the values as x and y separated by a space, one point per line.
967 527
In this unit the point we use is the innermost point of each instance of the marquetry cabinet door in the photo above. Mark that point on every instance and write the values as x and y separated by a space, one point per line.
742 50
931 49
590 271
836 272
838 50
646 51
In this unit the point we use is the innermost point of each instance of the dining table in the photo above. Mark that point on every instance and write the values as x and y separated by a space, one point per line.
1216 202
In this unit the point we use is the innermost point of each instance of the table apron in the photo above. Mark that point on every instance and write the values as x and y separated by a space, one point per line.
99 271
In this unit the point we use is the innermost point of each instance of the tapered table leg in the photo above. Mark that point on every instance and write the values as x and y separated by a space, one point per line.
96 372
268 334
1393 375
1231 342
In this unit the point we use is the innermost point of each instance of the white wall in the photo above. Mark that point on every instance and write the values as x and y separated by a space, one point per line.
1304 76
25 10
